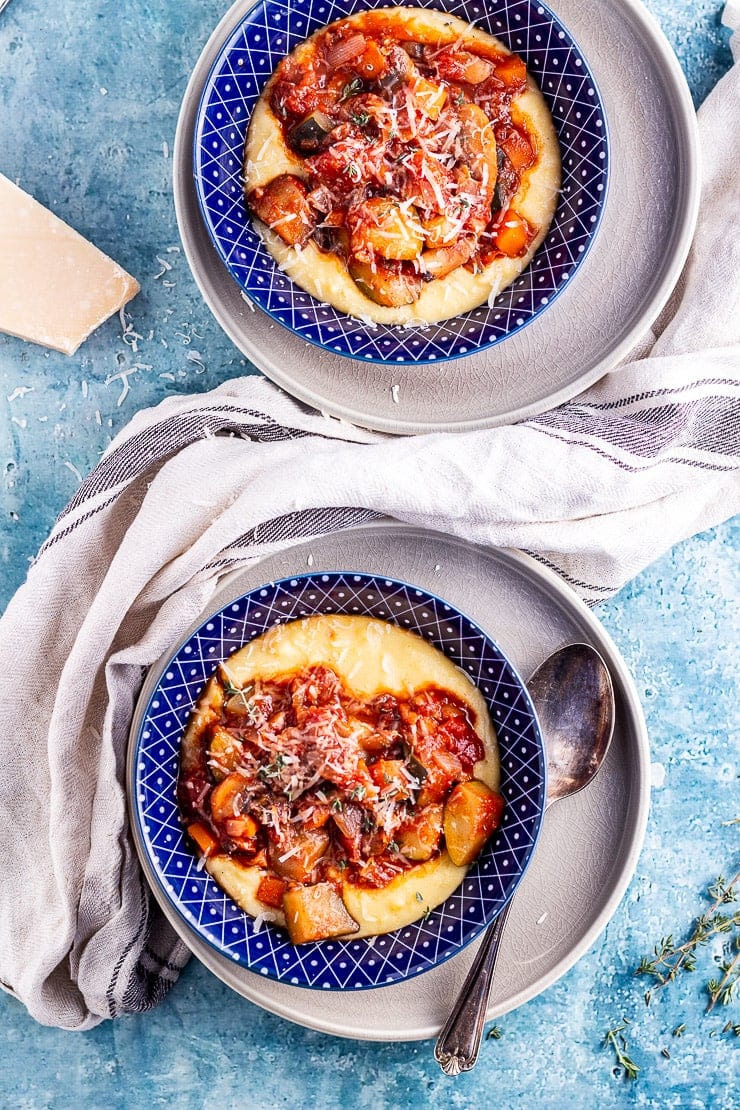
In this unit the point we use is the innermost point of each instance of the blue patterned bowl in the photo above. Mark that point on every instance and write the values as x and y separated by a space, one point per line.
337 964
268 32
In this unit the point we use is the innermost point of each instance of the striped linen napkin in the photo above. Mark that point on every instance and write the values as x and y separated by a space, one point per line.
596 488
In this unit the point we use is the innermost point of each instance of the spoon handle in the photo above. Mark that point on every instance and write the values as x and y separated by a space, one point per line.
457 1046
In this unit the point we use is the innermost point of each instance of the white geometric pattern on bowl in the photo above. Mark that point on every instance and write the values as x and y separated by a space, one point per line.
345 964
272 29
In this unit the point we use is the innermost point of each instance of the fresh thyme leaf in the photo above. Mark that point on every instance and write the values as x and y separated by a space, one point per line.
493 1034
352 88
353 172
419 896
360 119
679 1030
271 770
669 958
336 805
367 821
427 913
617 1040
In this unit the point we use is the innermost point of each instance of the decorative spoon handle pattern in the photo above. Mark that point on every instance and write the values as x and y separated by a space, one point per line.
457 1046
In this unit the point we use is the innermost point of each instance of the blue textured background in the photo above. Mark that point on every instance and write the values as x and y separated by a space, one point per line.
89 95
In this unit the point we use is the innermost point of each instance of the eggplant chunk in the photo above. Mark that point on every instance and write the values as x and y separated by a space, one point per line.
308 135
283 205
479 145
441 261
472 812
385 283
315 913
297 853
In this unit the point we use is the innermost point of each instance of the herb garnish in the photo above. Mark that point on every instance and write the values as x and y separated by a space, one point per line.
493 1034
352 88
669 958
353 172
231 691
360 119
367 823
271 770
616 1038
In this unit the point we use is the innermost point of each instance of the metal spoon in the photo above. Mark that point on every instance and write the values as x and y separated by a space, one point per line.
574 699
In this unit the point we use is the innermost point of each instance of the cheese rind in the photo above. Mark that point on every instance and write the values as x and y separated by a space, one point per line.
56 288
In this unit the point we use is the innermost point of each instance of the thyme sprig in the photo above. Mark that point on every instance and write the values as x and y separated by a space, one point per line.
669 958
723 990
617 1040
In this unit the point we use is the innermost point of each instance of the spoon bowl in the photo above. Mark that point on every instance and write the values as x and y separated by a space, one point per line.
573 696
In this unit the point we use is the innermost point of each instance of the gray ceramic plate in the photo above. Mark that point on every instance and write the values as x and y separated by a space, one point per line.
589 845
614 297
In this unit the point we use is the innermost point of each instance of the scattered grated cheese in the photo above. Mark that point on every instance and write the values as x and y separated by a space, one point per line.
73 468
20 391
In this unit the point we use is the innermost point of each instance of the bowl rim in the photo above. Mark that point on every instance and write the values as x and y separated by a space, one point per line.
225 49
151 865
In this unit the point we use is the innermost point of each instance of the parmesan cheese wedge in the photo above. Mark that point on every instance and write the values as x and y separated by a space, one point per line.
55 287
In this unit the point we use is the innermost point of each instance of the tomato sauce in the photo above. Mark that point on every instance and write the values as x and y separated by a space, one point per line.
410 154
312 784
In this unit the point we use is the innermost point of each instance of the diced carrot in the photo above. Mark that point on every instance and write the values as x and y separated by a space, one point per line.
511 70
271 890
226 797
243 827
518 150
513 235
203 837
373 62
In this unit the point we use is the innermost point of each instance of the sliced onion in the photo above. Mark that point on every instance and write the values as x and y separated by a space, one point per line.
347 50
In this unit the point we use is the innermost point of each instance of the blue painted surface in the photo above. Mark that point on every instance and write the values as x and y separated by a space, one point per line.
88 102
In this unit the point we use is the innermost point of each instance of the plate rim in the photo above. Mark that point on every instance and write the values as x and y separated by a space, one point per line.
634 327
633 834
